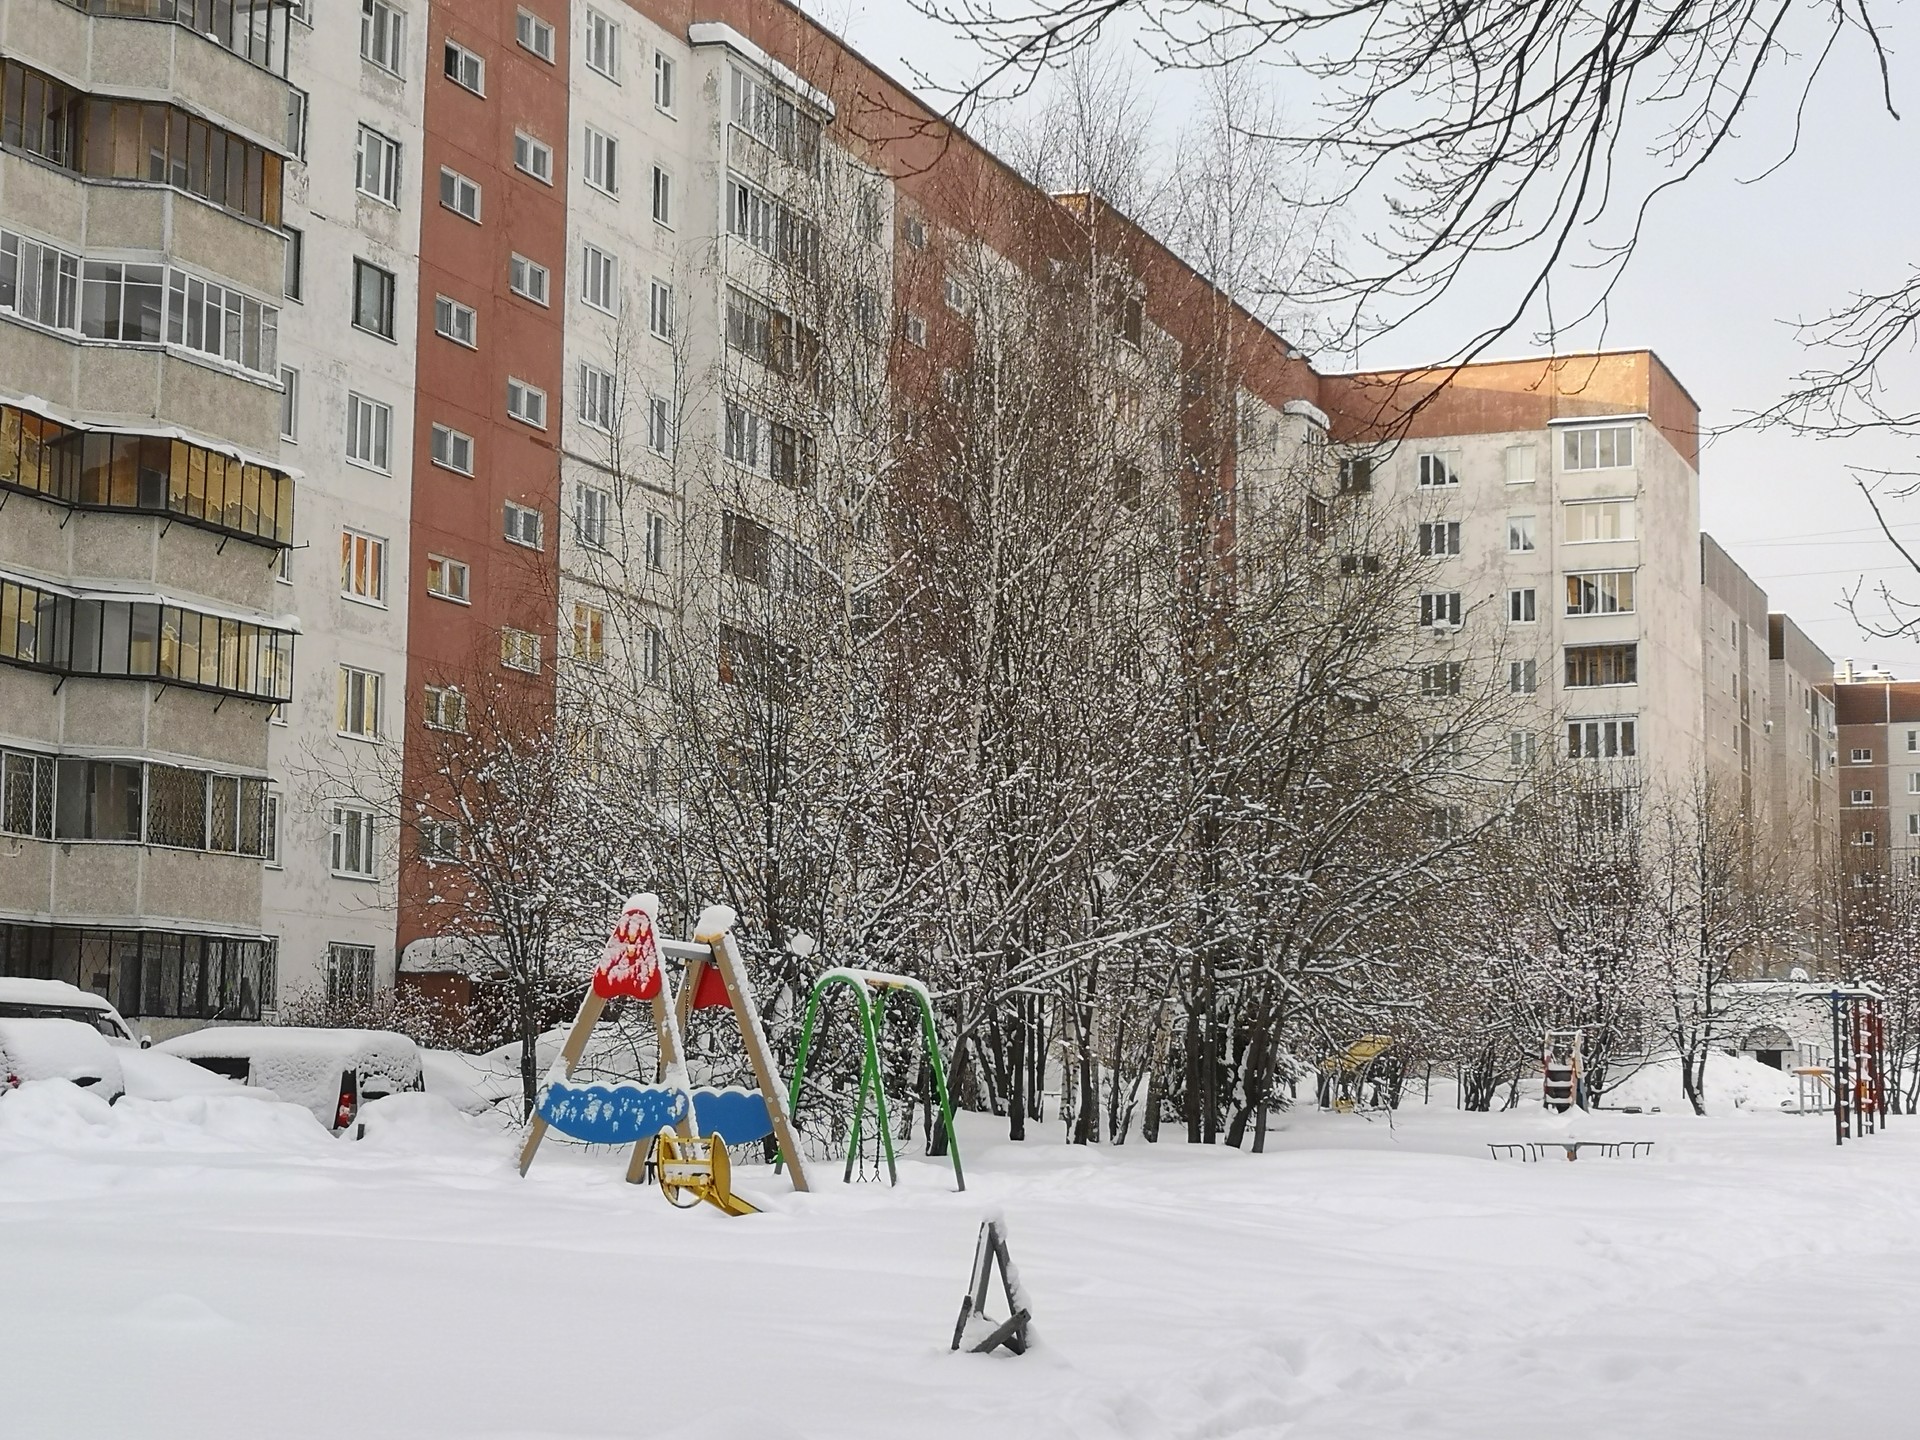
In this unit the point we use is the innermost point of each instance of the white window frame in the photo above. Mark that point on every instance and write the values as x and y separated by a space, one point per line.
1596 447
1860 797
660 197
456 322
383 36
533 157
1607 587
445 707
601 49
457 62
656 547
1604 737
289 404
1522 464
599 398
526 403
363 563
515 525
1523 677
589 619
1521 539
915 327
1860 756
449 579
452 449
592 515
659 309
1441 610
665 75
376 166
457 191
521 269
369 433
600 162
520 650
659 425
1626 519
534 35
1523 749
1438 469
352 828
1523 605
599 279
357 703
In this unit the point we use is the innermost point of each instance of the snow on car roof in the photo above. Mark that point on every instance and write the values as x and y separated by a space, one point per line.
49 992
217 1041
62 1049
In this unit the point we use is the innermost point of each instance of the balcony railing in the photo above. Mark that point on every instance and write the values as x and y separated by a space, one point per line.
255 30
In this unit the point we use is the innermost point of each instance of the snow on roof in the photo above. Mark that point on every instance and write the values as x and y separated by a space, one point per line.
49 992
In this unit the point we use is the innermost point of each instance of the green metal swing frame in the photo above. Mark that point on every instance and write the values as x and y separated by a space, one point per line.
870 990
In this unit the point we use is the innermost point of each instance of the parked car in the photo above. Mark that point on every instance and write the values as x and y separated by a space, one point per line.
330 1072
57 1000
37 1048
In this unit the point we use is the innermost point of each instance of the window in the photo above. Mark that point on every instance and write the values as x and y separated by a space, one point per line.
1443 822
533 156
659 426
771 228
600 280
376 167
1597 448
602 161
741 439
1592 665
465 68
1360 565
775 121
1520 607
439 840
26 794
297 122
349 967
373 299
662 197
1439 469
663 81
746 549
1600 739
1861 757
97 800
591 505
916 329
520 650
1913 783
352 857
603 45
294 278
660 310
448 579
527 403
452 450
1441 679
589 635
956 295
527 279
534 34
1522 461
383 32
445 708
1519 534
1522 677
459 194
456 322
1440 537
1356 475
1865 837
289 404
597 400
1600 592
270 832
1861 797
523 525
357 712
1440 608
1590 520
369 427
1522 748
363 567
654 657
657 549
915 230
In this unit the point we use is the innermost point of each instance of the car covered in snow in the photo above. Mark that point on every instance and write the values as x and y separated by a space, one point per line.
330 1072
50 1048
22 999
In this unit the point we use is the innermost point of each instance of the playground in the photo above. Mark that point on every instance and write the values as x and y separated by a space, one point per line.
195 1268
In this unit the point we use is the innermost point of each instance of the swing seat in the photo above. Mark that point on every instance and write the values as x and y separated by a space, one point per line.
618 1114
737 1115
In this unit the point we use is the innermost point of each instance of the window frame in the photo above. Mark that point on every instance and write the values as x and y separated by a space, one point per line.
515 533
452 192
599 271
380 435
447 315
385 292
600 28
529 29
441 455
390 162
533 157
529 268
444 567
350 827
383 28
368 707
519 387
454 56
369 572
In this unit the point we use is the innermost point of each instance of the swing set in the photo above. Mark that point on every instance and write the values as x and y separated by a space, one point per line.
870 989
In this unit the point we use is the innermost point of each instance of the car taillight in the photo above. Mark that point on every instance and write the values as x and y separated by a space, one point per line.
13 1082
349 1101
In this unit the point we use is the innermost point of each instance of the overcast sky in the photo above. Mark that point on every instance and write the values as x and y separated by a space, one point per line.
1725 267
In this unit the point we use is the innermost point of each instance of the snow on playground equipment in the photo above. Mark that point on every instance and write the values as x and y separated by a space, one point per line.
1857 1080
1346 1078
1563 1072
870 989
628 1112
988 1332
697 1169
1531 1150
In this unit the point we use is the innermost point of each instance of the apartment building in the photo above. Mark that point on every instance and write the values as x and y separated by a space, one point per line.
148 503
1878 747
529 304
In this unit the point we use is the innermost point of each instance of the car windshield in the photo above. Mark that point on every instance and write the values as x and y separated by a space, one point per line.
100 1020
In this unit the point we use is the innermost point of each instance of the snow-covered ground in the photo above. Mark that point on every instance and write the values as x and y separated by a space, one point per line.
214 1267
